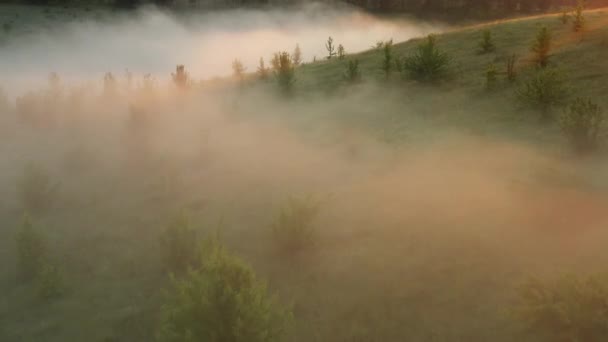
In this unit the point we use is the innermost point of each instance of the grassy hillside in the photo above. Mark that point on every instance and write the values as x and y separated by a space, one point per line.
424 235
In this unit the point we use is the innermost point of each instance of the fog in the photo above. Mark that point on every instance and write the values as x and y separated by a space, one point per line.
154 41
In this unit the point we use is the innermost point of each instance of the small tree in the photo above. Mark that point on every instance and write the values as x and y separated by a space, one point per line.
352 74
564 17
179 245
542 47
428 63
491 76
36 189
223 300
238 70
297 56
545 90
582 124
31 251
50 283
341 52
293 228
487 43
331 49
275 62
578 22
285 72
568 309
263 71
387 60
511 68
181 78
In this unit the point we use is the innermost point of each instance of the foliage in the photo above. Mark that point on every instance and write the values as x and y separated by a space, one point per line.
179 245
275 62
221 301
238 70
578 21
542 47
297 56
582 124
511 64
352 74
284 72
50 282
564 17
293 228
181 79
487 43
545 90
263 72
331 49
491 76
341 52
36 189
569 309
428 63
31 251
387 60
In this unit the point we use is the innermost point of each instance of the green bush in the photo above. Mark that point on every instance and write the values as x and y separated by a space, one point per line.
263 71
569 309
284 71
50 283
31 251
387 60
179 245
293 228
543 91
582 124
221 301
36 189
352 74
511 64
542 47
487 43
428 63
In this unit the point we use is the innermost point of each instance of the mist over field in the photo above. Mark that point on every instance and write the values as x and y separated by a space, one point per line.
336 206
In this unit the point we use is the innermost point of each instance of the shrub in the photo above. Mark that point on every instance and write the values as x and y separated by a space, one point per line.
263 71
511 64
578 22
491 76
545 90
352 74
31 251
487 43
36 189
582 124
542 47
221 301
238 70
387 60
179 245
293 228
428 63
50 283
331 49
341 52
284 72
569 309
565 17
181 79
297 56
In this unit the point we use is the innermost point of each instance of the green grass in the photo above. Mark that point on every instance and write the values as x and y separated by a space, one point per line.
395 260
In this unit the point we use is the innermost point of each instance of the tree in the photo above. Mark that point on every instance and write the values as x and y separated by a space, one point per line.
330 48
568 309
293 228
545 90
263 71
179 247
511 64
341 52
487 44
352 74
36 189
387 60
223 300
238 70
31 251
428 63
181 78
542 47
284 72
297 56
582 124
578 21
